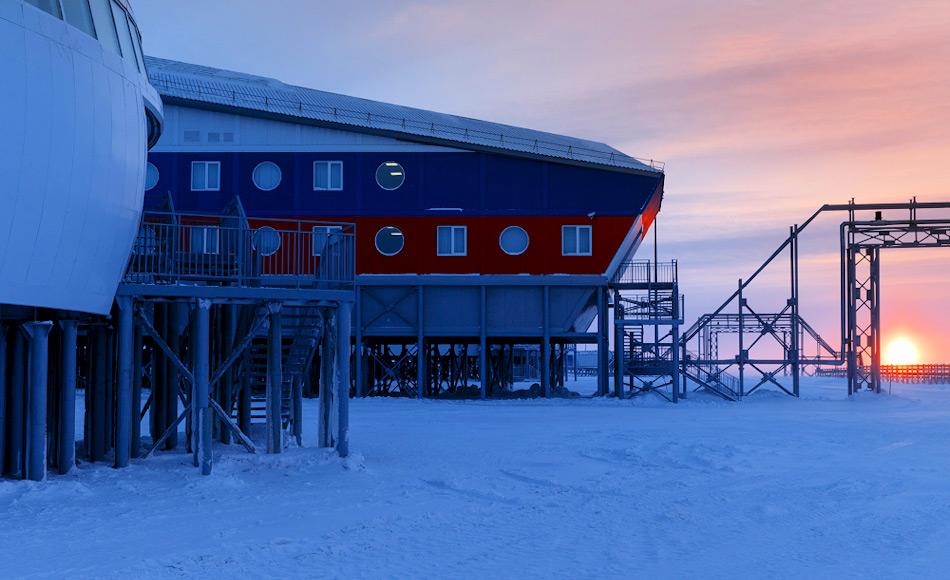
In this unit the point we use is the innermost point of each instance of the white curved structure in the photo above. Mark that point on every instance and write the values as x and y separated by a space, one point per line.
77 115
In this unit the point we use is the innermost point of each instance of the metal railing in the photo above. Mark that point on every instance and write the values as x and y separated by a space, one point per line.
646 272
175 248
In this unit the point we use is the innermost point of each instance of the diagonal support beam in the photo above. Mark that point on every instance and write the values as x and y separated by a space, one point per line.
245 440
145 325
171 429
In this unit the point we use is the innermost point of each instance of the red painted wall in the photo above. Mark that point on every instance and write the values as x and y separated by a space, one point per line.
485 256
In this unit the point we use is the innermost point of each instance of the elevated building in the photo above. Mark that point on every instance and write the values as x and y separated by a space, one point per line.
471 236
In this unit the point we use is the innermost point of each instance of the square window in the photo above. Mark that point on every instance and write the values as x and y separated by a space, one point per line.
451 240
327 175
325 236
204 239
576 240
205 176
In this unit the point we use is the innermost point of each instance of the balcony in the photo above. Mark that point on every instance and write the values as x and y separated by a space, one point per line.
175 249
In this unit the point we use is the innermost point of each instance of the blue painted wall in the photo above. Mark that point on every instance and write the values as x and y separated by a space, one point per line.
483 184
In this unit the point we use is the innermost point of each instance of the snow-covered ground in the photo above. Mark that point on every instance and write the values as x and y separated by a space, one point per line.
770 487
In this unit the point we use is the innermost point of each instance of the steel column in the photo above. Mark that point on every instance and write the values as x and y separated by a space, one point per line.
742 355
274 381
66 457
420 345
201 387
344 318
795 347
177 322
875 298
603 343
135 447
39 368
358 347
327 361
99 445
546 344
483 344
124 410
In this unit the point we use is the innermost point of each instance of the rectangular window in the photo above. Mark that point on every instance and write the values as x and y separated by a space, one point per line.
51 6
125 37
324 237
327 175
204 239
77 13
576 240
105 25
137 44
451 240
205 176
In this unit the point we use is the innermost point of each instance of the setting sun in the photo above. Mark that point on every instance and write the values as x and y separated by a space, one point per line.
901 351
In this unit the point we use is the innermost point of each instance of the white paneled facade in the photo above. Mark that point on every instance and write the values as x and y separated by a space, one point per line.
191 129
72 161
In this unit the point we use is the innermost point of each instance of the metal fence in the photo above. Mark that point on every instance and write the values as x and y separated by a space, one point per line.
231 251
646 272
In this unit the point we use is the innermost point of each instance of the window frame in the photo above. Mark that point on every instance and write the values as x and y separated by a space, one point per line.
207 165
280 175
205 230
577 245
376 241
327 232
158 175
453 251
78 5
390 164
330 163
527 242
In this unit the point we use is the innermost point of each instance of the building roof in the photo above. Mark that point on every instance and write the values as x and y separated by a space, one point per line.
233 90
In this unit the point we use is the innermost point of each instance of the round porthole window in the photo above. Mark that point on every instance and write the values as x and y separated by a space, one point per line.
389 241
513 240
151 176
390 175
266 241
266 176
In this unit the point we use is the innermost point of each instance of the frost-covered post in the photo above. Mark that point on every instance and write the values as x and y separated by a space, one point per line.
274 381
343 321
39 365
546 341
201 386
123 425
327 360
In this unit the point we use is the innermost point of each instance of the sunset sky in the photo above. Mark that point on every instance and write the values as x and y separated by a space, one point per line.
762 111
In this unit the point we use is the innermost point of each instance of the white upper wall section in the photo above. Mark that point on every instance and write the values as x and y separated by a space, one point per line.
191 129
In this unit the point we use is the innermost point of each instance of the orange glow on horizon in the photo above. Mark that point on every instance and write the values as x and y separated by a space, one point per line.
901 351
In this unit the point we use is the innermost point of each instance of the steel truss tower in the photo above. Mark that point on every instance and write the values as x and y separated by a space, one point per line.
648 312
772 343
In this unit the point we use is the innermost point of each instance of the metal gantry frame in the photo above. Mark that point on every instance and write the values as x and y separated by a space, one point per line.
861 246
780 342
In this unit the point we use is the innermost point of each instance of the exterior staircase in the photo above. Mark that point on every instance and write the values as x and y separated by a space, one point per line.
301 331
